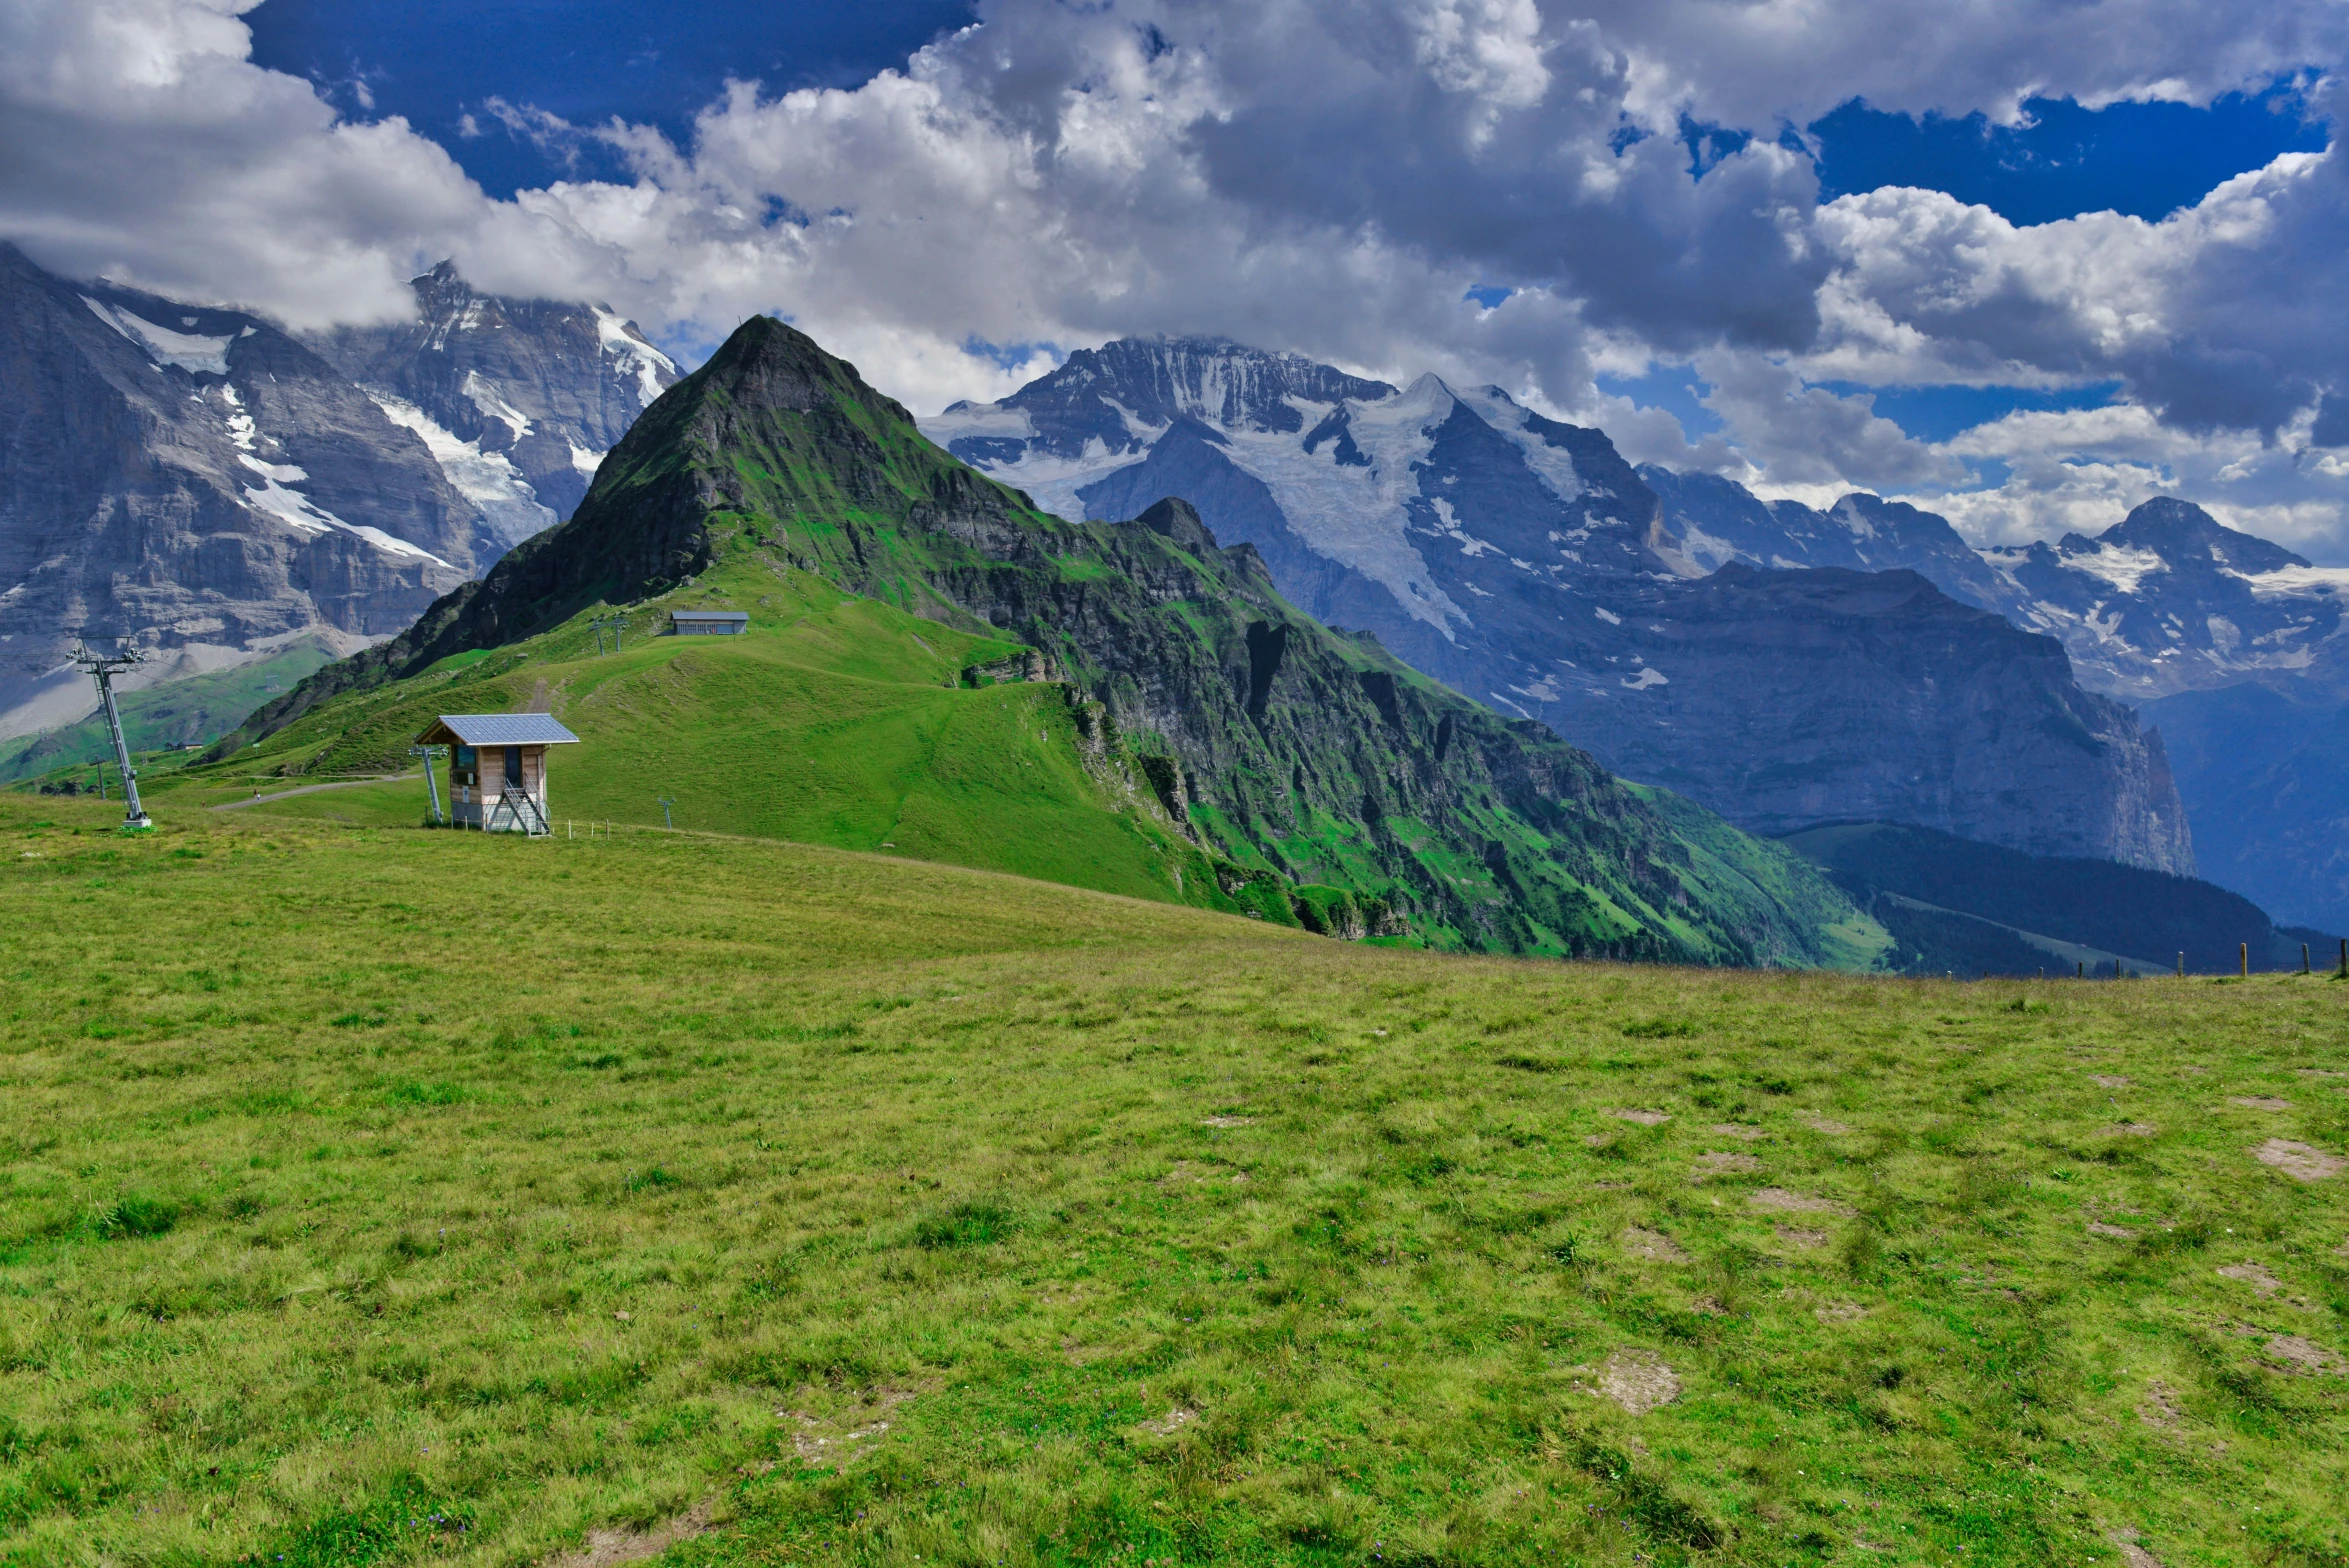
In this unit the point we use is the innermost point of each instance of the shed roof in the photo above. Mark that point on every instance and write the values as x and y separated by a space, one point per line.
709 615
497 729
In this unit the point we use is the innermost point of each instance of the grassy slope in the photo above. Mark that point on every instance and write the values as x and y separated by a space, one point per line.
835 720
178 713
330 1206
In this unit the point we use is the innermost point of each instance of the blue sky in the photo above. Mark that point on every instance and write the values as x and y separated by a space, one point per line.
438 61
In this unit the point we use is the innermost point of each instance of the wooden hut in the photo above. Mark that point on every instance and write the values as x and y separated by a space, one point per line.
497 768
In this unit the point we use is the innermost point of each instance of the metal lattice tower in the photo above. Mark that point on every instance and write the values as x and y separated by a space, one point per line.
103 667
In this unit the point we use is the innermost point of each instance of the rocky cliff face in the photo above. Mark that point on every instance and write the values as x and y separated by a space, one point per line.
518 399
196 481
1526 563
1911 708
205 485
1281 743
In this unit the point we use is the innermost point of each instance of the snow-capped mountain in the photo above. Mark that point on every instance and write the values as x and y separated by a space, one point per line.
517 400
205 484
1524 561
2168 600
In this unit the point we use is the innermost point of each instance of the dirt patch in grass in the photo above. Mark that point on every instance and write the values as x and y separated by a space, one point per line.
2128 1130
1797 1236
1169 1424
1825 1124
1638 1380
849 1433
2108 1080
2119 1232
1644 1118
2161 1407
2252 1274
1716 1162
1739 1130
2260 1102
2301 1161
1652 1244
2132 1554
1839 1312
1780 1201
2302 1355
1228 1121
611 1548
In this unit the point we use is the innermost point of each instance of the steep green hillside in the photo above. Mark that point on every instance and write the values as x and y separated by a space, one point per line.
1977 908
1208 705
385 1199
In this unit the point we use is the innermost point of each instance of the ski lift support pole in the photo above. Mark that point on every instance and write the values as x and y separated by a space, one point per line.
103 668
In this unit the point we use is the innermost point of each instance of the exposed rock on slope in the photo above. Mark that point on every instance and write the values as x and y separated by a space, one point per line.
1909 707
199 481
1525 562
519 399
196 480
1284 744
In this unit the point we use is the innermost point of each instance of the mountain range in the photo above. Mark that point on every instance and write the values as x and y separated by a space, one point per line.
1209 741
1525 562
247 502
219 490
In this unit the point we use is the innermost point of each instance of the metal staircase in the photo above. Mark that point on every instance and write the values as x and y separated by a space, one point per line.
517 811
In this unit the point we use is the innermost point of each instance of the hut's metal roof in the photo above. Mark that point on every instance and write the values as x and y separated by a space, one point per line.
709 615
497 729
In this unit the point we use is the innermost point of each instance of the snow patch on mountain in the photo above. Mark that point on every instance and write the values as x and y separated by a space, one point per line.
493 405
183 350
2291 582
489 480
1553 466
2125 568
1359 513
636 356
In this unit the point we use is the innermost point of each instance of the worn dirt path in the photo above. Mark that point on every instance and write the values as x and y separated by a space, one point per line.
312 789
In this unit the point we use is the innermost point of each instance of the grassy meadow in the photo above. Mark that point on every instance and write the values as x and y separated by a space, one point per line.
374 1195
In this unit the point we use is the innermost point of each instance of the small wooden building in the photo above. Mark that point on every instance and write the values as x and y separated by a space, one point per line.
497 768
708 623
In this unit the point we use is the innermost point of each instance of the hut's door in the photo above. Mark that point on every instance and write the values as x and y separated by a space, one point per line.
514 768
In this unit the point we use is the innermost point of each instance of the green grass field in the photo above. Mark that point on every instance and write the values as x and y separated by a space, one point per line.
375 1195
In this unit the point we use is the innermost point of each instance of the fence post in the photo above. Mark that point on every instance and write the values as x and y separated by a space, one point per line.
2245 951
2181 966
2304 958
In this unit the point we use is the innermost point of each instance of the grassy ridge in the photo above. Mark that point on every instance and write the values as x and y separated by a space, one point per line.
407 1197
